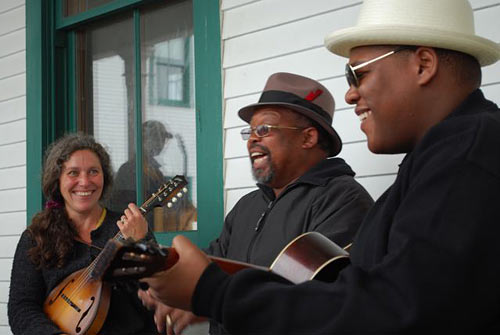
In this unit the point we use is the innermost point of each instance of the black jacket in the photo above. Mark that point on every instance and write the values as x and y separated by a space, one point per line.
325 199
425 259
29 288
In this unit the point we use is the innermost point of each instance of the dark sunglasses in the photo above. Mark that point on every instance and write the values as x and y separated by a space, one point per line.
350 71
262 130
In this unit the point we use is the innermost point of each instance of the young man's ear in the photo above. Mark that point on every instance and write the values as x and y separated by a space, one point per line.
427 63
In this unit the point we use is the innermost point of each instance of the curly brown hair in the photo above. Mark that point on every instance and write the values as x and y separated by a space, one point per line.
52 230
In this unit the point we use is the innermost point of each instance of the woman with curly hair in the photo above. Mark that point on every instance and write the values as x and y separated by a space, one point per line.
68 234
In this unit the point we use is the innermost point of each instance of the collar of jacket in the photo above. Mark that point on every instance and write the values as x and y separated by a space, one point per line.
318 175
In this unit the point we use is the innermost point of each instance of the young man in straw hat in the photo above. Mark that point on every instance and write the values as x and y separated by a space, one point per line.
425 258
301 185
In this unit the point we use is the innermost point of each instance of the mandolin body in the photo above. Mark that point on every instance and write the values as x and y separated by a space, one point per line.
79 304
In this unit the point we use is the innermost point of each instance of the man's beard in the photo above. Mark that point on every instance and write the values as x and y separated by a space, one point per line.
260 175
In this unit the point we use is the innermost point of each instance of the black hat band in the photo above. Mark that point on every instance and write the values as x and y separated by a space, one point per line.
290 98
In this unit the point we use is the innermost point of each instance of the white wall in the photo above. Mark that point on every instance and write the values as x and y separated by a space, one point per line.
12 141
261 37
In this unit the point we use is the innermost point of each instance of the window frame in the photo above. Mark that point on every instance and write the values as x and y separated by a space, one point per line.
50 96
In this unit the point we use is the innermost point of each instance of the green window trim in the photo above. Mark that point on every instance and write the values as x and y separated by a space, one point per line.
50 106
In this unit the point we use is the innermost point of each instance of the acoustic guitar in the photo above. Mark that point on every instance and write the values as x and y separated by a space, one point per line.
80 303
309 256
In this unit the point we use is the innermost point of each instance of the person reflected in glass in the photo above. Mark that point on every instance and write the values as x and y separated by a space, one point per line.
179 217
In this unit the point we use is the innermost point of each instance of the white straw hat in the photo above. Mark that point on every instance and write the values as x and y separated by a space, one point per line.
446 24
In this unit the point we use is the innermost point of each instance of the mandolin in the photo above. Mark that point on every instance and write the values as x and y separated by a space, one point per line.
309 256
80 303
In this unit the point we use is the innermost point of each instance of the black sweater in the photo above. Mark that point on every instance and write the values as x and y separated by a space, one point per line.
425 259
29 287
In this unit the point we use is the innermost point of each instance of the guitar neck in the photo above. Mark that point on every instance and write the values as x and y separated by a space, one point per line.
227 265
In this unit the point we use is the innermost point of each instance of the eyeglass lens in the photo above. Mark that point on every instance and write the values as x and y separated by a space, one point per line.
261 131
352 79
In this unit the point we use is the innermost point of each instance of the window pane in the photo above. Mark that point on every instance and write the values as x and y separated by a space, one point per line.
106 99
169 131
106 105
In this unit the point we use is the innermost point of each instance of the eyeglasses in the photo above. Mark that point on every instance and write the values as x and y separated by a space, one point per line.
350 71
262 130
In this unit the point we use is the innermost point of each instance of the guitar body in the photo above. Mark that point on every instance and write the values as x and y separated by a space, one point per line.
310 256
78 309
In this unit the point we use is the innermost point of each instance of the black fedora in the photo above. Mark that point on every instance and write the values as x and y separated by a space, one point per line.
302 95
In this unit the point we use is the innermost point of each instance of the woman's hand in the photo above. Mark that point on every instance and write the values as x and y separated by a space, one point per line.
133 224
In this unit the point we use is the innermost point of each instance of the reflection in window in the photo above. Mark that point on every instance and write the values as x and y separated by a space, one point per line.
169 73
107 88
167 52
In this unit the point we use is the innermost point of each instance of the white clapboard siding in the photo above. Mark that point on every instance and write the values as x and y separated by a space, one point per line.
231 118
316 63
376 185
482 3
12 200
5 268
4 292
13 155
13 19
8 245
3 319
13 64
238 173
12 87
12 223
7 5
230 4
13 132
14 177
287 38
492 92
262 15
12 42
12 109
487 24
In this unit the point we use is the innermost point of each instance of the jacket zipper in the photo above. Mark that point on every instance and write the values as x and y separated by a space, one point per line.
257 228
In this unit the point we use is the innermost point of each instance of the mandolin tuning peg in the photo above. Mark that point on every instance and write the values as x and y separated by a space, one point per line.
179 195
184 190
169 205
174 199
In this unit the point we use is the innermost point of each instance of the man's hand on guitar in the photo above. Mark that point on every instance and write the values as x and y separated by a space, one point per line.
175 287
179 318
132 223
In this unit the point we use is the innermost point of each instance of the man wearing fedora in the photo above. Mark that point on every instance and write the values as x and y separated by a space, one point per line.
425 259
302 187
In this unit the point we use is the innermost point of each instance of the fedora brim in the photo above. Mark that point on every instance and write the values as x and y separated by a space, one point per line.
342 41
247 112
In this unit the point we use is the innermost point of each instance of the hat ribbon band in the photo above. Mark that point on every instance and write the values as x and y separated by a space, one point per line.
290 98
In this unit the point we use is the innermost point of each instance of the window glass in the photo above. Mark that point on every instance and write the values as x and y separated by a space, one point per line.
106 106
169 131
